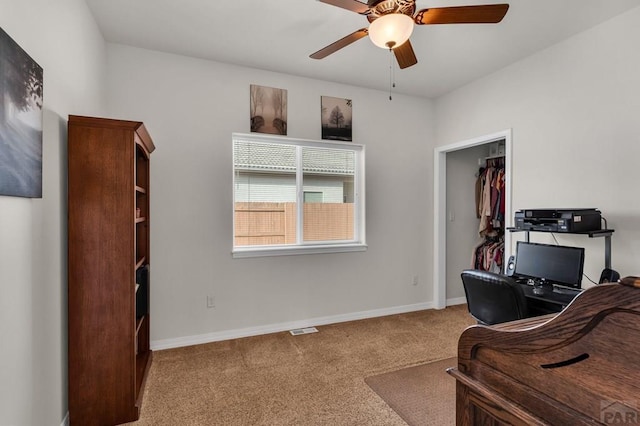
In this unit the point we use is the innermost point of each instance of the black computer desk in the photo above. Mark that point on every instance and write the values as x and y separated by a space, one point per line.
550 302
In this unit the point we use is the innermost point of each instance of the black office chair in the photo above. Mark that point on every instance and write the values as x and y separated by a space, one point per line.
493 298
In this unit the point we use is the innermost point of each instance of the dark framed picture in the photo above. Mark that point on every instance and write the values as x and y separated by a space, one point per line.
20 121
336 118
268 110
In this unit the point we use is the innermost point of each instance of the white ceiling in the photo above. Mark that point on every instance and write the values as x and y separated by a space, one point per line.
279 35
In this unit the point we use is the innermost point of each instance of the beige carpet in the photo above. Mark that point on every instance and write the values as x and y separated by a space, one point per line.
423 395
313 379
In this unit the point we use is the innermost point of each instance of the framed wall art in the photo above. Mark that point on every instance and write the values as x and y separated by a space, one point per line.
268 110
336 118
20 121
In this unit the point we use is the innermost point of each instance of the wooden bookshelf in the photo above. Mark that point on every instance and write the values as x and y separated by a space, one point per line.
108 269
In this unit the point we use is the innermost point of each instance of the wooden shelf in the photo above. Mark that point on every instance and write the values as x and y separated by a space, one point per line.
108 269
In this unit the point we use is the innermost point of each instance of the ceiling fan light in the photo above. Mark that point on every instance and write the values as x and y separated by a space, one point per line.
392 30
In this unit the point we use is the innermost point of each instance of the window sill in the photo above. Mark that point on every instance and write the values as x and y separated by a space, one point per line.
240 253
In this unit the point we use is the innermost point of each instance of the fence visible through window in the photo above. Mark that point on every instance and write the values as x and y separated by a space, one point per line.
275 223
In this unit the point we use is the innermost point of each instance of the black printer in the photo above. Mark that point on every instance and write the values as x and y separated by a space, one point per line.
558 220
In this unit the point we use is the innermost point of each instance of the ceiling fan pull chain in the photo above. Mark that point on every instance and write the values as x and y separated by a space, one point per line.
393 73
392 79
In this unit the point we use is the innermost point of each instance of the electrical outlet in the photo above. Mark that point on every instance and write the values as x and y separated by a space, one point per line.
415 280
211 302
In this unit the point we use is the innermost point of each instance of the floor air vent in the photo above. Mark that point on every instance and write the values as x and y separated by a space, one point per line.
299 331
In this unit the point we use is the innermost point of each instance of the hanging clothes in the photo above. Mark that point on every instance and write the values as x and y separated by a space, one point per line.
490 199
490 209
488 255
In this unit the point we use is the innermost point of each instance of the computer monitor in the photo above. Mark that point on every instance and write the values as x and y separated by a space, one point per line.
553 264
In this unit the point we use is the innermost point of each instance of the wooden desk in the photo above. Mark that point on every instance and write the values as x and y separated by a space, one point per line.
579 367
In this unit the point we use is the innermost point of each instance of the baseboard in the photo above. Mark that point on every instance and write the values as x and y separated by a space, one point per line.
276 328
457 301
65 421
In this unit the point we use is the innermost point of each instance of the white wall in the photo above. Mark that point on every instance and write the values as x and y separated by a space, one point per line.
191 107
281 188
63 38
574 111
462 222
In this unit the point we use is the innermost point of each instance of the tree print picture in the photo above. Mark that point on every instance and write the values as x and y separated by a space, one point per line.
268 110
20 121
336 118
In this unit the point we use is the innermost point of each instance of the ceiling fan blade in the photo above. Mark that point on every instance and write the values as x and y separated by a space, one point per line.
405 55
483 14
337 45
352 5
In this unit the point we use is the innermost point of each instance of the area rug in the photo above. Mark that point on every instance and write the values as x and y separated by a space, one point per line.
422 395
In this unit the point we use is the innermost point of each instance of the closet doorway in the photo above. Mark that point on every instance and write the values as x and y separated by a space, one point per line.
442 219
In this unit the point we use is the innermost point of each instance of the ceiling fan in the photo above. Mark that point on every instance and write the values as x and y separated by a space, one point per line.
391 23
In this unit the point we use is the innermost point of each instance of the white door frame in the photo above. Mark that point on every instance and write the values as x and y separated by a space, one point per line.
440 207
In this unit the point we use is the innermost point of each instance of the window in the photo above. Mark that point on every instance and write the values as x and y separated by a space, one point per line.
294 196
312 196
